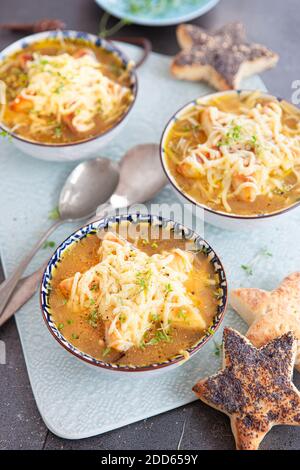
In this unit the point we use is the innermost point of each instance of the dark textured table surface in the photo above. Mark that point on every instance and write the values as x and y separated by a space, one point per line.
272 22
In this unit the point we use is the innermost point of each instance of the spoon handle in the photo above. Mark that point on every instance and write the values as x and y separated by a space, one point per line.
8 286
27 286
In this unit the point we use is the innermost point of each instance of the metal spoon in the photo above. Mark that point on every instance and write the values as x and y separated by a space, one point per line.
141 178
89 184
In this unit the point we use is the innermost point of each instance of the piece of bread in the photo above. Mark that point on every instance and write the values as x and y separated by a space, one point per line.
254 387
249 303
270 314
222 58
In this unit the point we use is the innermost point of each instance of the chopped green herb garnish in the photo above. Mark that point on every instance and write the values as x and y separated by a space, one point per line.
48 244
70 322
210 330
218 349
122 317
94 287
143 279
160 335
75 336
54 214
60 326
266 252
182 314
169 288
93 318
154 317
58 132
247 268
6 135
154 245
106 352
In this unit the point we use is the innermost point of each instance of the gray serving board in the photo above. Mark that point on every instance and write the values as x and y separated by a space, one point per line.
78 401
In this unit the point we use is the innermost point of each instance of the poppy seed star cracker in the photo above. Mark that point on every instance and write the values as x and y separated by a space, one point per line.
222 58
254 388
270 314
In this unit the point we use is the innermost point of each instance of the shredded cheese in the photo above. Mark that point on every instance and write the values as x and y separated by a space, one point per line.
245 155
63 85
132 290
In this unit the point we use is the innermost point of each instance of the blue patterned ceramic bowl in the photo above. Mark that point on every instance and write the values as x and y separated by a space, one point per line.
188 234
76 150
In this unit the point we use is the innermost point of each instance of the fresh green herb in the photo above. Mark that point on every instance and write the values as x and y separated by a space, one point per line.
59 89
104 31
155 317
93 318
218 349
75 336
106 352
160 335
182 314
122 317
143 279
145 242
60 326
94 287
154 245
48 244
254 140
266 252
231 136
58 131
54 214
70 322
6 135
92 301
169 288
210 330
248 269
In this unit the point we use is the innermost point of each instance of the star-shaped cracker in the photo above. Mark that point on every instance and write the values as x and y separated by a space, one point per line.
222 58
270 314
254 388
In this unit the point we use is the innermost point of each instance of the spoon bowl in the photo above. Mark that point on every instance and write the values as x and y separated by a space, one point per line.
91 183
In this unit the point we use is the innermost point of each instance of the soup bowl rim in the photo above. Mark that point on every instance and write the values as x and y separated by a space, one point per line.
189 198
89 38
132 218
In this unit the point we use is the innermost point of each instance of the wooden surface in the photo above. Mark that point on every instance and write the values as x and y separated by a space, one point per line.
273 23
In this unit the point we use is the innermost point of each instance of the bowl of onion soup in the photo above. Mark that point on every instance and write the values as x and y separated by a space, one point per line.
236 155
65 94
133 293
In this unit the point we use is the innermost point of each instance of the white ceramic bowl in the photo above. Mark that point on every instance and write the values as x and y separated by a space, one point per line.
71 151
219 218
102 224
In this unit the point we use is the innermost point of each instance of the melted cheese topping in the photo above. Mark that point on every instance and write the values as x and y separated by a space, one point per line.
63 85
245 155
131 291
